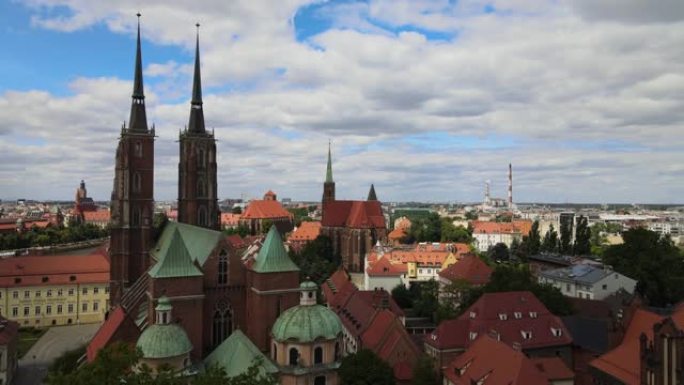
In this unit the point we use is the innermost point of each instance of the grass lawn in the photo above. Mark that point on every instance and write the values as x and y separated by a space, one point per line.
28 337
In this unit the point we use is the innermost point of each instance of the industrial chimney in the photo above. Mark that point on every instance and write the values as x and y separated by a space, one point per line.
510 186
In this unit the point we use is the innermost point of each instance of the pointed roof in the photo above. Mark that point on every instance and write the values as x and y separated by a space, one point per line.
196 124
199 241
176 262
371 194
138 118
236 354
328 174
272 257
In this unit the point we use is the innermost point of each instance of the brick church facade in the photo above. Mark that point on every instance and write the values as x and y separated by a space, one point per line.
353 226
216 283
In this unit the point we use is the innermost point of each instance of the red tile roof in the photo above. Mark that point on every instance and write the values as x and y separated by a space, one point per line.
261 209
307 231
510 315
113 326
496 362
469 268
96 216
353 214
383 267
230 219
553 368
487 227
396 234
236 241
623 362
59 269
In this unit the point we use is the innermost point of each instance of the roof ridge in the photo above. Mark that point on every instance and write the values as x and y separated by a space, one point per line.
176 262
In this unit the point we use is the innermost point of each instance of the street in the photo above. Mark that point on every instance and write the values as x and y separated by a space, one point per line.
34 365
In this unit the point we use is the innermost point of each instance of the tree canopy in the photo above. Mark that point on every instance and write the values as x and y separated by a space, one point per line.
654 261
316 260
365 368
582 237
51 235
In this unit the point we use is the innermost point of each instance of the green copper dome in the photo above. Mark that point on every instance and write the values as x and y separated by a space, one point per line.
306 323
164 341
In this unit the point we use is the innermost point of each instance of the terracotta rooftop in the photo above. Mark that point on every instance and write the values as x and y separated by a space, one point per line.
354 214
487 227
118 324
493 363
517 317
96 216
469 268
53 269
263 209
307 231
396 234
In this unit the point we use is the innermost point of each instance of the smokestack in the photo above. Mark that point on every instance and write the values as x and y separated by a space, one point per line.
487 200
510 186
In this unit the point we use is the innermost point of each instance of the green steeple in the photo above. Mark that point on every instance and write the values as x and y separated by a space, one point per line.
196 123
138 118
236 354
328 174
176 262
371 194
272 257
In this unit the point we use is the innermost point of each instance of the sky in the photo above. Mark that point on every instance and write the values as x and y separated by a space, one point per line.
427 99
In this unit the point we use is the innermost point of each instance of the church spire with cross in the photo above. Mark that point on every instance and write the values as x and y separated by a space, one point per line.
138 117
196 124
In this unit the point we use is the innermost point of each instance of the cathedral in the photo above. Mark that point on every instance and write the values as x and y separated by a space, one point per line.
216 292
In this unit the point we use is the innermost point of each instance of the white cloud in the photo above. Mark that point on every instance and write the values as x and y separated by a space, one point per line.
575 102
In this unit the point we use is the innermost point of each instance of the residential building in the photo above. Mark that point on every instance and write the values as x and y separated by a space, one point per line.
487 234
98 218
516 318
587 281
9 339
469 268
230 220
51 290
387 267
490 361
305 233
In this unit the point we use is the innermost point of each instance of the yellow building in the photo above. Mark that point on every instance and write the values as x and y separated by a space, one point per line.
52 290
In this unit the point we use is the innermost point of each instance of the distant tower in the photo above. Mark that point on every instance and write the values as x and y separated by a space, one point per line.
132 200
372 196
487 199
197 185
329 184
510 186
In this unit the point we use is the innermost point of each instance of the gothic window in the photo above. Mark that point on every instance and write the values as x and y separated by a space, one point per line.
136 217
223 268
275 353
201 159
138 149
294 357
320 380
137 182
201 188
202 216
222 324
318 355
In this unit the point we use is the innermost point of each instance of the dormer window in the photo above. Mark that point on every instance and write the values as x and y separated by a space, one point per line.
460 371
526 335
503 316
517 315
557 332
533 314
472 314
473 335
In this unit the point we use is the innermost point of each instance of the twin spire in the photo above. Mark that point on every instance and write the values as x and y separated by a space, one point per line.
138 118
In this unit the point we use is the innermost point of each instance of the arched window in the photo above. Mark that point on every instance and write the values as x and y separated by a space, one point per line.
135 221
138 149
201 158
222 324
201 188
337 350
318 355
294 357
320 380
223 268
202 216
275 353
137 182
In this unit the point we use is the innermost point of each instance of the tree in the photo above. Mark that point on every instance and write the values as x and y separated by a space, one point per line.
426 229
426 302
236 210
402 296
365 368
266 225
550 242
242 230
498 252
582 237
316 260
566 225
534 239
424 372
471 215
654 261
159 221
451 233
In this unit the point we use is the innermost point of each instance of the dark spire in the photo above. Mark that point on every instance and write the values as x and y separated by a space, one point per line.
196 123
138 119
371 194
328 174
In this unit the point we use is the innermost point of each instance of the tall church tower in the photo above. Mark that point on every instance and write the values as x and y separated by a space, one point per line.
197 201
329 184
132 201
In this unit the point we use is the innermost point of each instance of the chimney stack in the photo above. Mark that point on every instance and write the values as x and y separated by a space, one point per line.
510 186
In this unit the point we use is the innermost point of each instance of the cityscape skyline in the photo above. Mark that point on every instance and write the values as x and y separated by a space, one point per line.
364 78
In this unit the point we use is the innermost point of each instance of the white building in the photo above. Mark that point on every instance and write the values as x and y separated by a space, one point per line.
587 281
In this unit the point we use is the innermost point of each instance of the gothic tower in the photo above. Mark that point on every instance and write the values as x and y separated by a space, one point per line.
197 201
329 184
132 201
